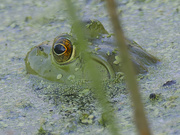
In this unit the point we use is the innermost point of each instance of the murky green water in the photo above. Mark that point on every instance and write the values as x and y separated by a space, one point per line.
27 102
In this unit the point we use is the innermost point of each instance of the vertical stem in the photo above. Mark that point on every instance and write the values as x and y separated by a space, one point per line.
95 77
140 118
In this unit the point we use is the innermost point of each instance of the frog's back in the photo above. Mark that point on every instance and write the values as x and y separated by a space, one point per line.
105 47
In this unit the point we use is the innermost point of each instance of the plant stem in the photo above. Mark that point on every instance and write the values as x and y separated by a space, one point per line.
94 75
139 114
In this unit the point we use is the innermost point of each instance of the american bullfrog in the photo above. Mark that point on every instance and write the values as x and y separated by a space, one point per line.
60 60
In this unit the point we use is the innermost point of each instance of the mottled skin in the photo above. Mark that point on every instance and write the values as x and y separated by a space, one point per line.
42 60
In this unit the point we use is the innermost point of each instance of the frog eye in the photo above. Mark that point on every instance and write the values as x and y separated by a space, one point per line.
62 49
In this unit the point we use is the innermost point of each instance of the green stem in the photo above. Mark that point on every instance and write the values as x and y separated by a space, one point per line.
95 77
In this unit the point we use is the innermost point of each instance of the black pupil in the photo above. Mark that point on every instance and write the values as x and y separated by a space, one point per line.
59 49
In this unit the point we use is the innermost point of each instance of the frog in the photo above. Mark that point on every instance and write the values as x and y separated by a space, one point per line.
60 60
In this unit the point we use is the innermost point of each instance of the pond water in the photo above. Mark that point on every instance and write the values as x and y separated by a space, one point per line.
28 103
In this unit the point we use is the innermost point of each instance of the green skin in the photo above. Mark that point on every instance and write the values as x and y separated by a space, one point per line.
40 60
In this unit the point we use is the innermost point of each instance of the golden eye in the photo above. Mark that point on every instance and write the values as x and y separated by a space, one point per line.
62 49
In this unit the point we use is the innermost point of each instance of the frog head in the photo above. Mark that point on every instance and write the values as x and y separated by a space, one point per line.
59 60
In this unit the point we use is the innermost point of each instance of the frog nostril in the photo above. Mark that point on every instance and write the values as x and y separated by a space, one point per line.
40 48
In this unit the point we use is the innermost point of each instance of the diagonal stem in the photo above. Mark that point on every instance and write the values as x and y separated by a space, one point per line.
139 114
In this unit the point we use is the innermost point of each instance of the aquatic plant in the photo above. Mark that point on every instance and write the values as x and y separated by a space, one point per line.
96 80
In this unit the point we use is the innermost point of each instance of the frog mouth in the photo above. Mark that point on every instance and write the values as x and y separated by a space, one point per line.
106 65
